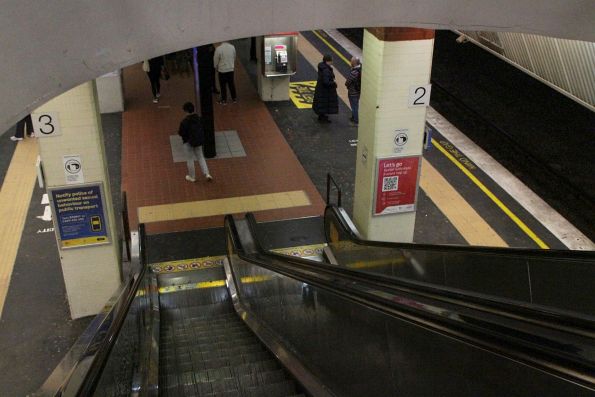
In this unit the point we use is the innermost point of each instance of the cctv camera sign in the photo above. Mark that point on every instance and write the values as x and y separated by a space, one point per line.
73 170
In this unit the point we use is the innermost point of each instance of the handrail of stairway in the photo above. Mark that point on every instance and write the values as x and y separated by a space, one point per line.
330 180
79 371
469 322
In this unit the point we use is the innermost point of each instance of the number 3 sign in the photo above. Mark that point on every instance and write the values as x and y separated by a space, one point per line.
419 95
46 124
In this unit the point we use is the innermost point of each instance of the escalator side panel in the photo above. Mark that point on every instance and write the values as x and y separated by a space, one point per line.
560 280
357 351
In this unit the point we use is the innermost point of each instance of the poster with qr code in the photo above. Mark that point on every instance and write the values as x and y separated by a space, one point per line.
396 187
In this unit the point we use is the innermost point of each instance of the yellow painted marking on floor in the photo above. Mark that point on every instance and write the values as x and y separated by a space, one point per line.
492 197
255 279
302 93
231 205
15 197
211 284
199 285
329 45
474 229
375 263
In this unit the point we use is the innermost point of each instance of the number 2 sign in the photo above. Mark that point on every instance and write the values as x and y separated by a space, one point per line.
419 95
46 124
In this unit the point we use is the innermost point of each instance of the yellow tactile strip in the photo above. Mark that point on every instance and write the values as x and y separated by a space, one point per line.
15 197
474 229
231 205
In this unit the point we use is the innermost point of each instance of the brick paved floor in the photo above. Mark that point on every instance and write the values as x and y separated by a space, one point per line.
150 177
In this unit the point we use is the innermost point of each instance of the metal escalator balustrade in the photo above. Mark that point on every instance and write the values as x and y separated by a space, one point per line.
338 320
328 330
554 280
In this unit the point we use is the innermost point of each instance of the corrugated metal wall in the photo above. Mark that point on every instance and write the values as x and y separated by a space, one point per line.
567 65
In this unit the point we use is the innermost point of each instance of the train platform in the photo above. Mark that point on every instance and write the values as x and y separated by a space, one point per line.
272 160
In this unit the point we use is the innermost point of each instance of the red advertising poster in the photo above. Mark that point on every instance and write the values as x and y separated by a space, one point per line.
396 186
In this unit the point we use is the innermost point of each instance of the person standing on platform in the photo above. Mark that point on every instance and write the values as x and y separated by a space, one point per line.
193 137
354 88
224 61
153 67
326 100
25 123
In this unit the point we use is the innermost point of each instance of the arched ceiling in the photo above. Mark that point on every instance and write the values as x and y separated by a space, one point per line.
49 47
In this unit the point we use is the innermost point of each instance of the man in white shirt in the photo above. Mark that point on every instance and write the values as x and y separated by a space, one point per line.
224 62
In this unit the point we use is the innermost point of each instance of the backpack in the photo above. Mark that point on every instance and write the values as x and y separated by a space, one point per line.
196 136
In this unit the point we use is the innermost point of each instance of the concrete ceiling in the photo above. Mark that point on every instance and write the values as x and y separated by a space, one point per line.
49 47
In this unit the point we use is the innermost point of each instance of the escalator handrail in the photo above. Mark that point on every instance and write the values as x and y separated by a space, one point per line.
538 351
349 228
529 312
95 370
80 371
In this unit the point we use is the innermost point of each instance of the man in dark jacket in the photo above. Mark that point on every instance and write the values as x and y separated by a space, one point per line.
154 73
325 95
193 137
354 87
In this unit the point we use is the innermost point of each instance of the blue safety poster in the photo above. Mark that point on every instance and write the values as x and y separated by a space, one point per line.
79 215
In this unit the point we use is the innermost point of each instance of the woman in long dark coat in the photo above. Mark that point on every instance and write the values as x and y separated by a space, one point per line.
325 95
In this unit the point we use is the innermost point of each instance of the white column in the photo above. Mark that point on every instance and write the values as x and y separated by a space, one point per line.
91 272
110 92
395 62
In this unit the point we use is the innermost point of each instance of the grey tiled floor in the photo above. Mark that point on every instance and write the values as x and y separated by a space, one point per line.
227 144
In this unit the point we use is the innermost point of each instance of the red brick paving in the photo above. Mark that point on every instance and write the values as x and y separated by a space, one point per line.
150 177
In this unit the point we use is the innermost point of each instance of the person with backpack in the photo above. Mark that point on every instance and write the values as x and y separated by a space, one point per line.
193 137
354 88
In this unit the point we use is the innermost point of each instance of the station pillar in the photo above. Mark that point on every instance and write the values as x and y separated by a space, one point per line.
392 114
75 172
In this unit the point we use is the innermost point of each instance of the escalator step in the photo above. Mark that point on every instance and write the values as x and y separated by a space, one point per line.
261 379
280 389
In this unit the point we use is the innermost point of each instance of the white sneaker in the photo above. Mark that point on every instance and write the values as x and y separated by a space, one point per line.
155 100
209 178
190 179
158 95
14 138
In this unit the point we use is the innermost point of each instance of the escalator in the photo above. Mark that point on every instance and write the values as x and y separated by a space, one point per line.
207 350
266 324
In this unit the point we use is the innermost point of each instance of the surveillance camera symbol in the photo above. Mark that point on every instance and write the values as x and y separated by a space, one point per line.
72 166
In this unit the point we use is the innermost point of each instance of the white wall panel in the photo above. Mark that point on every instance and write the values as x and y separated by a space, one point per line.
566 65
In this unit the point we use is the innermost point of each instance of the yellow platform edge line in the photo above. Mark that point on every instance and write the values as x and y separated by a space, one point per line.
325 41
15 197
493 197
223 206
